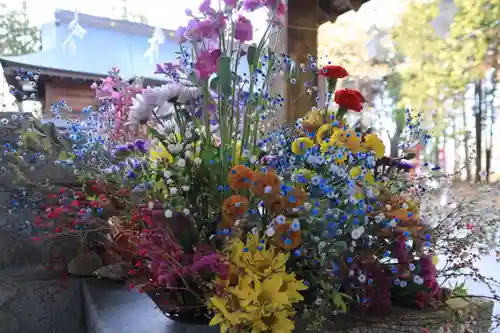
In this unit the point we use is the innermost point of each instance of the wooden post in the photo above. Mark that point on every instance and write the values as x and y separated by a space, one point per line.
301 41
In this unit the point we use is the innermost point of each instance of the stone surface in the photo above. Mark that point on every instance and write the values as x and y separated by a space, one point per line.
85 264
37 301
116 271
33 299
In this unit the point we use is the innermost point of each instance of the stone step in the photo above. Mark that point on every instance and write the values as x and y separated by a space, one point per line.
114 308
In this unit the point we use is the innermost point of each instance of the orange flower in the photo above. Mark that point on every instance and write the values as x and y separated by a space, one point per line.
240 177
287 238
266 182
235 206
294 198
274 203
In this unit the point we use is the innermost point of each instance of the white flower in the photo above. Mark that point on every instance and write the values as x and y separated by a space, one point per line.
188 154
270 232
295 225
358 232
253 159
185 211
140 111
181 162
280 219
168 213
167 174
170 182
173 191
362 278
185 188
316 180
418 280
197 161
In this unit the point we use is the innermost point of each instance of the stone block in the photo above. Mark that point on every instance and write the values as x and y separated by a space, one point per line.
32 301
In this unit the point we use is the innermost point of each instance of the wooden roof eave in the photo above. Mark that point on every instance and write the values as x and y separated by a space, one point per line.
10 70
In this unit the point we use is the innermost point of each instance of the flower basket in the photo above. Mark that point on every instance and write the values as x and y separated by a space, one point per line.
169 304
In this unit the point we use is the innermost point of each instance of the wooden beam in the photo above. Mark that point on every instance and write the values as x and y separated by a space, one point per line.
302 43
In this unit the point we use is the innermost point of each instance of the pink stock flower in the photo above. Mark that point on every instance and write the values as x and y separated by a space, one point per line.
206 63
243 30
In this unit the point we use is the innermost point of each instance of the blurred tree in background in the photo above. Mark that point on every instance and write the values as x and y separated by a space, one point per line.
439 72
17 35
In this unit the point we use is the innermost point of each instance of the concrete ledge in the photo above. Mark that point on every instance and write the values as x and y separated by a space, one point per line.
113 308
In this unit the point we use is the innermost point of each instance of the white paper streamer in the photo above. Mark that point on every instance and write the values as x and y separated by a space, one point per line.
75 31
447 12
155 41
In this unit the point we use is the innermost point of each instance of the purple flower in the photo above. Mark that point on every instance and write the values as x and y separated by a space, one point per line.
231 3
251 5
243 30
205 6
180 35
167 68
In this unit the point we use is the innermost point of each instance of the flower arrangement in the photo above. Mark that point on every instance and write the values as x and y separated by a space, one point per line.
220 218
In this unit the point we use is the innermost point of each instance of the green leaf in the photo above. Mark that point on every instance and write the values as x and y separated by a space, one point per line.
209 155
213 83
224 74
338 300
251 55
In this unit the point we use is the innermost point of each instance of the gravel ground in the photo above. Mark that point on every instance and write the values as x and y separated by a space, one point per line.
487 202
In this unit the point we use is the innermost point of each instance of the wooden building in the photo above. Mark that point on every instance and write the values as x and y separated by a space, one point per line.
68 75
300 39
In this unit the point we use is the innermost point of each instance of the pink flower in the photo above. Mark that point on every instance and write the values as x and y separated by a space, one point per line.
206 63
231 3
243 30
179 35
252 5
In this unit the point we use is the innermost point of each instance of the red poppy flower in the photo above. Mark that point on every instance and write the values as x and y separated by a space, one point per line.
349 99
333 72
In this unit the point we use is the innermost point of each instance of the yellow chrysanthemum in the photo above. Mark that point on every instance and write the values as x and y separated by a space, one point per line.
353 141
373 143
301 145
338 138
315 119
324 132
161 153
